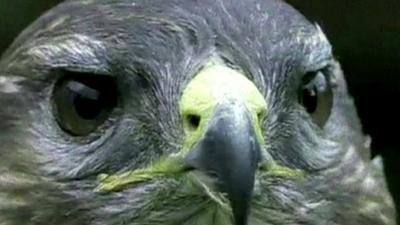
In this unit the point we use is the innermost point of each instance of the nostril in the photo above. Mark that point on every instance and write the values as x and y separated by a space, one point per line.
261 115
193 121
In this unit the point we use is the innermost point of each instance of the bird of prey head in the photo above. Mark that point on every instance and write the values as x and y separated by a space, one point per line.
181 112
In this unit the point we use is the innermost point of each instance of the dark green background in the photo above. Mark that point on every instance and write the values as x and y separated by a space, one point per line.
366 39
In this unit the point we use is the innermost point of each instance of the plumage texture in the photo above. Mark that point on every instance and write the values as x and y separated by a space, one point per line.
154 48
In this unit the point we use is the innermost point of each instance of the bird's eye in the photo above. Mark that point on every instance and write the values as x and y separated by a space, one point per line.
82 102
316 96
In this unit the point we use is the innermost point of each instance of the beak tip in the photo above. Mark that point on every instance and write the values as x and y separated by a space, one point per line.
239 194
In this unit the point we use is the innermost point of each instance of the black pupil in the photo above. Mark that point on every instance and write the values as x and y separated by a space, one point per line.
310 99
87 108
88 102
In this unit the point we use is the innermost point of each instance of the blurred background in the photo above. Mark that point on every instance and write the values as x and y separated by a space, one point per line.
366 39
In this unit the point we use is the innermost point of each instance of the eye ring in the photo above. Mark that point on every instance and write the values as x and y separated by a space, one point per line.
82 102
316 96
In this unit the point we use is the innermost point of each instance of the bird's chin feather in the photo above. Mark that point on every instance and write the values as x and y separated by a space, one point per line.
164 201
187 201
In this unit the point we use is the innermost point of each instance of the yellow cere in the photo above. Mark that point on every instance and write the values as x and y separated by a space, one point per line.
217 85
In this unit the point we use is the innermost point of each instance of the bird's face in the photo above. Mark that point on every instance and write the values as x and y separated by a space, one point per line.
181 112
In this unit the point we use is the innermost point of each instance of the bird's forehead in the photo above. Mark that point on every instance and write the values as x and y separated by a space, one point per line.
260 30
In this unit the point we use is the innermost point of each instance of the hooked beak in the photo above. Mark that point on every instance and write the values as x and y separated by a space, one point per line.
230 152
